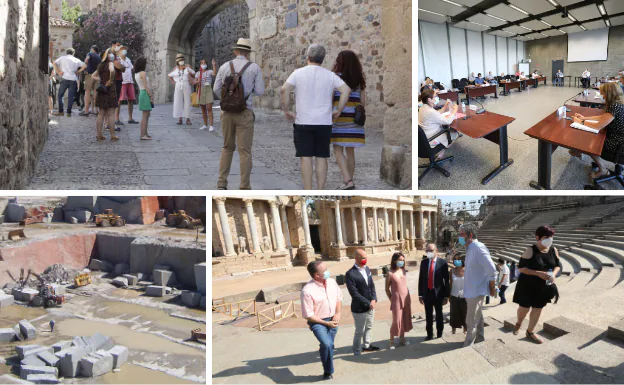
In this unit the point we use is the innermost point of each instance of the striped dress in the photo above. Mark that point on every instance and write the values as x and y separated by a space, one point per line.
345 132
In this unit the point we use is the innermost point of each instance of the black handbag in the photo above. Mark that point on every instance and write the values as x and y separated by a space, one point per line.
360 115
551 291
101 89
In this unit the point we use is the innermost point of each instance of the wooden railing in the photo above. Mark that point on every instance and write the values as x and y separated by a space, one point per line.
234 309
275 314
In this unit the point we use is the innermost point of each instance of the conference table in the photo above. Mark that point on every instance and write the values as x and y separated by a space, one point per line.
554 131
476 91
530 82
490 126
507 86
452 95
540 78
590 101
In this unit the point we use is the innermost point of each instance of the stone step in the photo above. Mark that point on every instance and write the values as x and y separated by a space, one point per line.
613 252
520 372
584 263
597 257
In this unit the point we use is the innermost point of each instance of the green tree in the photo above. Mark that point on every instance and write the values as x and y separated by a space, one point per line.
71 14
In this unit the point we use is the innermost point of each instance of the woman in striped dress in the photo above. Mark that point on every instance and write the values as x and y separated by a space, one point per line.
346 135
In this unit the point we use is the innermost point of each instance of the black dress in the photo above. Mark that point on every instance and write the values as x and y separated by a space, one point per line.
615 131
108 99
530 288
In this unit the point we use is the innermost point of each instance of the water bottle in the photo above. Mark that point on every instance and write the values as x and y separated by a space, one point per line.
463 107
550 274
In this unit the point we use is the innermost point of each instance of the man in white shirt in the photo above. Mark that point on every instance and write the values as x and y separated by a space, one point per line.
585 78
479 281
503 279
314 88
68 67
559 78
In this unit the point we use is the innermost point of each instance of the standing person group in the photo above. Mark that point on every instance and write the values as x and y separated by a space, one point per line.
69 68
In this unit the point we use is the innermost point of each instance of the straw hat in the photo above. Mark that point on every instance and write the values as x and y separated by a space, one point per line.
179 57
244 44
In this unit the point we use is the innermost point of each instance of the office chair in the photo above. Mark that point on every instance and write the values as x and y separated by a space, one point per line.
454 83
618 160
425 151
440 86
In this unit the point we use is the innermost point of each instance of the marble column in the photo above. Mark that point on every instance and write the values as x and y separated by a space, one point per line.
364 225
277 226
428 217
338 225
412 225
376 226
306 223
401 226
225 227
355 232
421 230
434 226
255 240
386 222
395 228
285 225
343 225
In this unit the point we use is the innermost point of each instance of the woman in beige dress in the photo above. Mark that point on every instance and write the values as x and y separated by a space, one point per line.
400 300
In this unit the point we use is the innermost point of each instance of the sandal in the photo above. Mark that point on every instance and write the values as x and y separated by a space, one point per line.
535 338
188 122
145 137
347 186
114 139
517 329
100 138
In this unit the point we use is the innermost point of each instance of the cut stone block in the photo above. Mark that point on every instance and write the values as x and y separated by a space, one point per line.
191 298
6 300
14 212
97 264
96 364
70 360
11 379
28 330
202 302
122 268
82 216
42 379
155 291
25 350
120 281
27 294
164 277
49 358
7 335
616 331
120 355
61 345
18 333
132 279
25 370
32 360
200 277
101 342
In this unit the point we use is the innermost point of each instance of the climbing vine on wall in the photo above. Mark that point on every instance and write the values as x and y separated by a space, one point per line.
100 28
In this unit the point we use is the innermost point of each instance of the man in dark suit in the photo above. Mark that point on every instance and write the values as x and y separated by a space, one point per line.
433 288
363 300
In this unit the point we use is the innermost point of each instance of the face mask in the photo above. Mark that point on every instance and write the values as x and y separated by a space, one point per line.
181 63
117 49
457 263
124 52
436 100
547 242
462 241
111 57
204 66
326 274
400 264
430 254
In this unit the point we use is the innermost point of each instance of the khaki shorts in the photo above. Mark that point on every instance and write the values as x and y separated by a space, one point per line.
90 83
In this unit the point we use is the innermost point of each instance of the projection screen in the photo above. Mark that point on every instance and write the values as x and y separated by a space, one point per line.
588 45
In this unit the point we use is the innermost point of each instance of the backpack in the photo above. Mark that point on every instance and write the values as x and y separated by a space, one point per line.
233 93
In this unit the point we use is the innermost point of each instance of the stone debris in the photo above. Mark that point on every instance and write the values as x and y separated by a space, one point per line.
32 360
28 330
42 379
18 333
191 298
7 335
155 291
120 281
59 273
61 345
164 277
49 358
122 268
25 370
6 299
96 364
98 264
70 360
120 356
132 279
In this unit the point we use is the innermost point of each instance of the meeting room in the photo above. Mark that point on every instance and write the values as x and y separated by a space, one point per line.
521 94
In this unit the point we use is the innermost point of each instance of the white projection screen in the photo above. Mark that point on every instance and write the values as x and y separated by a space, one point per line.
588 45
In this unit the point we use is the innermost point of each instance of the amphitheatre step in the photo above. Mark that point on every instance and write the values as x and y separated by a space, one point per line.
614 237
584 263
597 257
611 243
616 331
611 251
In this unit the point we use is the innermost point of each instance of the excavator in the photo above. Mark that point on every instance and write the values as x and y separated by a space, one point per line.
47 295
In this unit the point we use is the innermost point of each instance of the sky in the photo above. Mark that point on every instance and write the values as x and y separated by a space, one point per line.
457 198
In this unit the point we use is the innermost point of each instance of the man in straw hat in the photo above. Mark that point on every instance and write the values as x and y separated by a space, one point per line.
238 128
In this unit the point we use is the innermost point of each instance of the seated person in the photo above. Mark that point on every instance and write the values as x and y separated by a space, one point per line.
535 74
479 79
471 78
586 78
522 76
432 121
612 121
502 74
559 78
490 78
429 85
517 73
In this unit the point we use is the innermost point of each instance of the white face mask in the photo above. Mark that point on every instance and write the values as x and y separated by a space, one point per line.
204 66
430 254
181 63
124 52
436 100
547 242
117 48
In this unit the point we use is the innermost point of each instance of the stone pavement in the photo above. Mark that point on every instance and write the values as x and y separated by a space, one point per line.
181 157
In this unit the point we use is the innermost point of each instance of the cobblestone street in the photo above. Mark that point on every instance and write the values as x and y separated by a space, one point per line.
181 157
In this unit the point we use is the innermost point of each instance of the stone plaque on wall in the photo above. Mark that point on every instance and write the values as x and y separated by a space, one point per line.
268 27
291 20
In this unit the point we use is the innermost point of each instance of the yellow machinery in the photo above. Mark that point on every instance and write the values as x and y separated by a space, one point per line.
16 235
108 219
183 221
82 279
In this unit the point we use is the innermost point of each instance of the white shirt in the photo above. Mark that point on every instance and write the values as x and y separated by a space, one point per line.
586 74
362 271
431 122
69 64
314 94
127 75
534 75
480 270
181 76
457 290
504 270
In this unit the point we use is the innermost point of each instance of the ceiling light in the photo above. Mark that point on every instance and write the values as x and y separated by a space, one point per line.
602 10
435 13
561 31
483 25
583 28
608 22
550 25
522 26
518 9
496 17
571 17
553 2
455 4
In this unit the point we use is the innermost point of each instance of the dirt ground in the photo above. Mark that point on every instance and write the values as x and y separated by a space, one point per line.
155 330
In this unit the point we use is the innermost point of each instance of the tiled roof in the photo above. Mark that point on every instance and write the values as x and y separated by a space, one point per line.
54 22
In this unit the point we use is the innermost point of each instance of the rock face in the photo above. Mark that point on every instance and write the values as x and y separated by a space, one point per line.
23 92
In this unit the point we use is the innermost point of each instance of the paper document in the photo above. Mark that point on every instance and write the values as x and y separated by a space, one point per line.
584 128
458 116
591 121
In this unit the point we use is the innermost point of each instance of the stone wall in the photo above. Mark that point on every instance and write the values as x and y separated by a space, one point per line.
221 34
23 93
61 39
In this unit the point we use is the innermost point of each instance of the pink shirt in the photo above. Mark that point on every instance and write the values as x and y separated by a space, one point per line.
320 300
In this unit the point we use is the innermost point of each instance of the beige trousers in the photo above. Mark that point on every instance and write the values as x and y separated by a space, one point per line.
238 132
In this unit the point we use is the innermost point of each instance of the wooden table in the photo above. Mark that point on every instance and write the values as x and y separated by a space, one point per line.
490 126
590 101
530 82
475 91
540 78
554 131
452 95
507 86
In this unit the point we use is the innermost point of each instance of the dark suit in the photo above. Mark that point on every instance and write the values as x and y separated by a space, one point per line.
434 298
362 292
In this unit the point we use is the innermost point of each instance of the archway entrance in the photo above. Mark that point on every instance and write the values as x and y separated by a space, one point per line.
191 24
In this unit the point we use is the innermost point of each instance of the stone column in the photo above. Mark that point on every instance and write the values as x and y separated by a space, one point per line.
434 226
386 221
343 226
306 223
428 215
421 230
412 237
364 225
285 225
255 241
338 225
376 226
395 233
277 225
355 232
225 227
401 226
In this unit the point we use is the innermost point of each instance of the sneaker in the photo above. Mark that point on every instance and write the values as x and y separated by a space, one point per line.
119 123
69 115
211 129
118 129
203 127
83 113
133 121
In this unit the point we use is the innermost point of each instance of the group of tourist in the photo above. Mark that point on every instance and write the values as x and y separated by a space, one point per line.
466 283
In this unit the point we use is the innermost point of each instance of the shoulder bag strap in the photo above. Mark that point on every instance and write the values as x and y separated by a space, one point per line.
241 77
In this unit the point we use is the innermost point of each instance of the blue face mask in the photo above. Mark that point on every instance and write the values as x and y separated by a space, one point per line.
462 241
457 263
326 274
400 264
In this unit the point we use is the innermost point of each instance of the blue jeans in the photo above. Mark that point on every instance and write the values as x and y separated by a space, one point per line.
326 337
559 81
67 85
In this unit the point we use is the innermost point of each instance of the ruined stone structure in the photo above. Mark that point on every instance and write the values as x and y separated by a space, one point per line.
23 89
61 31
296 236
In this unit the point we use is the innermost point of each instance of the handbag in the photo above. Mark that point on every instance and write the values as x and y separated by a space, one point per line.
551 291
194 99
360 115
101 89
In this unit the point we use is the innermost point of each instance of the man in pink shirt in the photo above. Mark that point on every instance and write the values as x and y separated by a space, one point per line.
321 301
